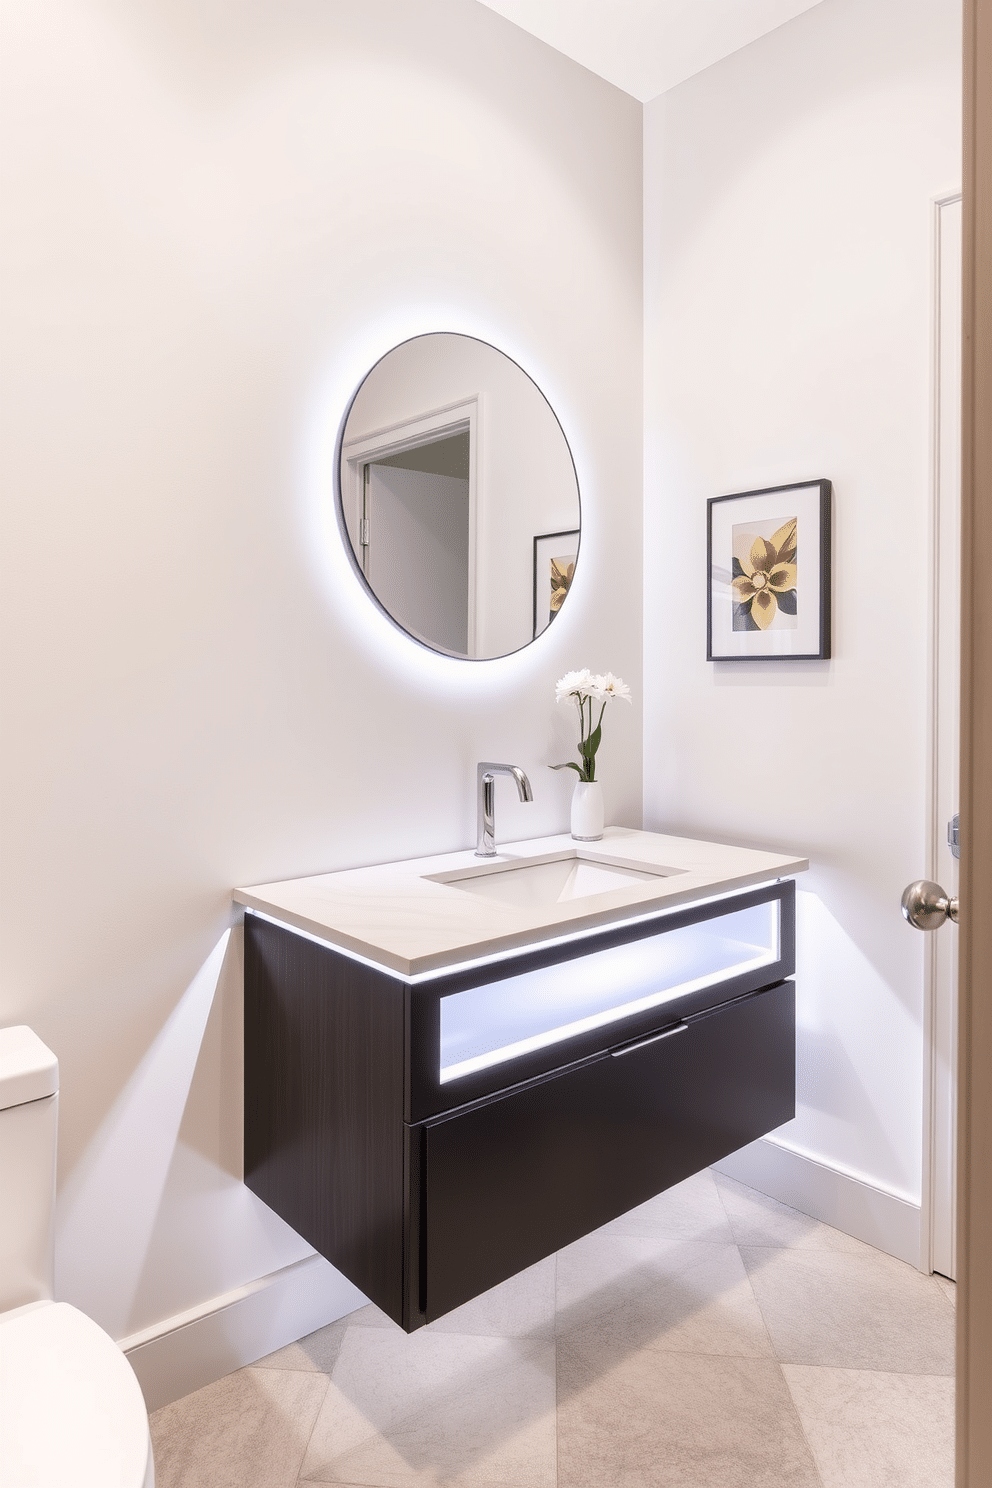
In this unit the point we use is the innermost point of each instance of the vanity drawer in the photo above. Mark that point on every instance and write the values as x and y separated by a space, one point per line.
512 1179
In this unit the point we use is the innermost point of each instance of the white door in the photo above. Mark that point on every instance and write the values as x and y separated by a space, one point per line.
944 944
416 558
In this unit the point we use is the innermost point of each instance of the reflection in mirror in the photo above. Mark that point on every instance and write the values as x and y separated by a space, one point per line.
459 497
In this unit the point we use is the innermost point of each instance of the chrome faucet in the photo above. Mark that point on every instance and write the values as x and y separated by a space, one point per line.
486 776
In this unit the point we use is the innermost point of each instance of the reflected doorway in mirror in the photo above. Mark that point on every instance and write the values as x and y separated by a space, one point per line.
418 518
410 507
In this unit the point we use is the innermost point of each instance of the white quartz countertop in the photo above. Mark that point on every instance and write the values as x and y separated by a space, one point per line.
399 917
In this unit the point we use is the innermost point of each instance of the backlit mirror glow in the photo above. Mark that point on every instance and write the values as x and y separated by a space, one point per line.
458 496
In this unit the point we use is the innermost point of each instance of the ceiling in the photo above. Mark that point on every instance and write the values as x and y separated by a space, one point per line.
647 46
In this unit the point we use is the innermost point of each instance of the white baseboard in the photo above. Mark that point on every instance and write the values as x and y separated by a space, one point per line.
870 1214
194 1348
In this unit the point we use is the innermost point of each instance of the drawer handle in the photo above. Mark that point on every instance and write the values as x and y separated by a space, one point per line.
654 1038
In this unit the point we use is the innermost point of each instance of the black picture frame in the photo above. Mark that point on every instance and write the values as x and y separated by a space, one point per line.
549 546
770 621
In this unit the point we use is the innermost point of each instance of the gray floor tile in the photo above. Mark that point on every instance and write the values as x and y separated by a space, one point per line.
692 1209
523 1307
672 1294
657 1353
949 1289
876 1430
314 1354
676 1421
434 1408
852 1311
370 1316
251 1427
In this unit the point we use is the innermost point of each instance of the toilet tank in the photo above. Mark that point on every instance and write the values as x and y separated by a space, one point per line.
29 1082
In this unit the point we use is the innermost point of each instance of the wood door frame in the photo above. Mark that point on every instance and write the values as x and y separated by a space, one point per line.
974 1338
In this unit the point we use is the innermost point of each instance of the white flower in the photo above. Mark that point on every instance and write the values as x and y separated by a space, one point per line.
608 686
575 684
591 694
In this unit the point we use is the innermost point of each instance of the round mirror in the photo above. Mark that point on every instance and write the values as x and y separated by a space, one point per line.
458 495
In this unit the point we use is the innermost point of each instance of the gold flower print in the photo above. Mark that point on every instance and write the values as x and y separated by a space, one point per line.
562 570
764 581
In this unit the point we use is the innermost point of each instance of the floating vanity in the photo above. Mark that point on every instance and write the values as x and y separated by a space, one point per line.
456 1066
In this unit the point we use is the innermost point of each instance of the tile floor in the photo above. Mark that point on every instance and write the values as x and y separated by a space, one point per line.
710 1339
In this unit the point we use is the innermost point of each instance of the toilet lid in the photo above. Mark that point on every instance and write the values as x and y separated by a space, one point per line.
28 1069
71 1409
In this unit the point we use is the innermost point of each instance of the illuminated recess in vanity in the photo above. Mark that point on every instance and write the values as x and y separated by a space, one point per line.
432 1134
553 1004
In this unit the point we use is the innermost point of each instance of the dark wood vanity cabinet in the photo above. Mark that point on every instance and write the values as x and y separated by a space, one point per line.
425 1190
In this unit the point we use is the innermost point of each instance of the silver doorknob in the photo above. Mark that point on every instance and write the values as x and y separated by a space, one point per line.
925 905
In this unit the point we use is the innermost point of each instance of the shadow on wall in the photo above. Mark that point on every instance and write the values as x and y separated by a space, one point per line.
144 1194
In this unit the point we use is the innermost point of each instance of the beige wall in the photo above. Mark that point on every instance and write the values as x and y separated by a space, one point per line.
215 219
788 283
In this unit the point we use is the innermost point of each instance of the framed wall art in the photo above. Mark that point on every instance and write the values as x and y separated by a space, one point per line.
768 566
554 565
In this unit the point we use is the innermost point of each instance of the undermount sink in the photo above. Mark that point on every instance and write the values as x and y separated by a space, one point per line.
554 881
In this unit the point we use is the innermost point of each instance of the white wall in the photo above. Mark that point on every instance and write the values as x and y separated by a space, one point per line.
787 331
216 218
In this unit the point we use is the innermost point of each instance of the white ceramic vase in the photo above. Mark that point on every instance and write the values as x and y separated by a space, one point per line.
587 811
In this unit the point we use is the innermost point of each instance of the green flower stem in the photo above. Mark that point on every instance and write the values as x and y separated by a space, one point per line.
590 733
590 738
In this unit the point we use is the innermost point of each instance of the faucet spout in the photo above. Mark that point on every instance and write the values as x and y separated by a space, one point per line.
486 778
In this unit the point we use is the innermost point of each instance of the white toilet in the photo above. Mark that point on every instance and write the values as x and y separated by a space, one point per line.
71 1409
